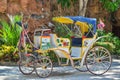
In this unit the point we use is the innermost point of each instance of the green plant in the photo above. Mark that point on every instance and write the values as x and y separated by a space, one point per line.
65 3
1 41
10 34
111 42
6 53
108 45
63 31
116 42
111 5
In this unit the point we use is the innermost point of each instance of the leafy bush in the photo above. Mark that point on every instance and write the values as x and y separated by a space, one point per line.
10 34
63 31
111 42
111 5
6 53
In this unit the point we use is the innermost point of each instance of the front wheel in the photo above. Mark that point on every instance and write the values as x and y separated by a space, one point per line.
27 66
98 60
43 67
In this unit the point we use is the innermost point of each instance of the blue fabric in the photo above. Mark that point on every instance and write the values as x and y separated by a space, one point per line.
84 19
77 42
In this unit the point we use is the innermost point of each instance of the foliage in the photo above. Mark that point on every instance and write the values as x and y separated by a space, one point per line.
9 34
111 42
63 31
1 41
111 6
6 53
65 3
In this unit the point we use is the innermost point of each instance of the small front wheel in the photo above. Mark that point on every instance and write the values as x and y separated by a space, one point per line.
27 66
98 60
43 67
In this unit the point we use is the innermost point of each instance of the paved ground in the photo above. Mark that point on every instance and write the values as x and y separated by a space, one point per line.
61 73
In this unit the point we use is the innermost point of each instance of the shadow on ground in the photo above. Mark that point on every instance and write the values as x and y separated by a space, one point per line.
61 73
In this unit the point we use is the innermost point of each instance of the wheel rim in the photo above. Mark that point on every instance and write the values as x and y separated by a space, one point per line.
44 67
78 66
98 60
26 68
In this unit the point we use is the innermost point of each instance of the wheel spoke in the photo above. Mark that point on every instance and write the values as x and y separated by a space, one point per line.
91 55
26 68
45 68
98 60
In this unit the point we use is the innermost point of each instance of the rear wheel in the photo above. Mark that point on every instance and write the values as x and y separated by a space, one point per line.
43 67
98 60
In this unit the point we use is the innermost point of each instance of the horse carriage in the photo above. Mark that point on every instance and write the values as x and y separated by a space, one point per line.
80 51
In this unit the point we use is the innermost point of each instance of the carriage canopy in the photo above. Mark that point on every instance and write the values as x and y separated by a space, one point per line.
83 22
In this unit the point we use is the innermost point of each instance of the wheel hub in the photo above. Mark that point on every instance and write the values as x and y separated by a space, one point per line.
98 60
44 67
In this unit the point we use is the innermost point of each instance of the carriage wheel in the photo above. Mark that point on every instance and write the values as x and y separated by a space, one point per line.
98 60
79 68
27 66
44 67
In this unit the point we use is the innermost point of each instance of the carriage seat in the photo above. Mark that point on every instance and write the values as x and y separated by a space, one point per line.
76 48
59 44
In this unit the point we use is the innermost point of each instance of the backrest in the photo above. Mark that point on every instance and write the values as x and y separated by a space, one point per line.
77 42
45 42
61 44
53 42
76 47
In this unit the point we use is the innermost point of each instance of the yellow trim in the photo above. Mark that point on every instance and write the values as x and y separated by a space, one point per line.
77 58
40 41
88 39
86 46
83 51
66 54
83 26
63 47
63 20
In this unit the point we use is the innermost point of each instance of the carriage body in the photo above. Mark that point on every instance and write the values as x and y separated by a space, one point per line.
78 50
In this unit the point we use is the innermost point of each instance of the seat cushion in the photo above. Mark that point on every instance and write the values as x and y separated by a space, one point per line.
75 52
